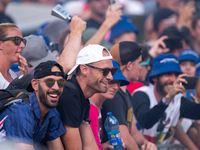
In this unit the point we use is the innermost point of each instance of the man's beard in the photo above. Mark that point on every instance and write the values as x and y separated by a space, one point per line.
44 100
160 87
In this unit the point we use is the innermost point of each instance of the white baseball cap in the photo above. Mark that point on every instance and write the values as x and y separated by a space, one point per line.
89 54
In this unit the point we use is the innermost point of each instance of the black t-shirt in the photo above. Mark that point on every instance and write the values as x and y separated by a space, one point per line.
121 109
5 18
72 105
93 23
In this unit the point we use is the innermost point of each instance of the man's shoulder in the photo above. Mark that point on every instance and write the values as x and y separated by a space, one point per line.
144 90
22 108
19 112
72 84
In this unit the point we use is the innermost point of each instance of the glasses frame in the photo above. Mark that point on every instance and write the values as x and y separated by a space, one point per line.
145 63
105 70
16 38
50 86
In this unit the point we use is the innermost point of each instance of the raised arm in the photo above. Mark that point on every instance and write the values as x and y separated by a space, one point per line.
68 57
112 17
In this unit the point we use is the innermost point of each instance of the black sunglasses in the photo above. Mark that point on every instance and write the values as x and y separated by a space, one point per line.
50 82
105 70
17 40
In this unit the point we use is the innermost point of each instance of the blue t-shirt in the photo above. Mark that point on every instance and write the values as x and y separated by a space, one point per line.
22 123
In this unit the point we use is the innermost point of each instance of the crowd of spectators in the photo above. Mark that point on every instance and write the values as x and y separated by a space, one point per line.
100 67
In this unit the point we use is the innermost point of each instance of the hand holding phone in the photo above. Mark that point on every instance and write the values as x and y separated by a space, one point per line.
192 82
114 4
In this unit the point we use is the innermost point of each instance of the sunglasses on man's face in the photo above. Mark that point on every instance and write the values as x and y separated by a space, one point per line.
105 70
145 63
16 39
50 82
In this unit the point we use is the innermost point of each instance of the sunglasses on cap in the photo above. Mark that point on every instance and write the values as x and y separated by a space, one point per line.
105 70
161 126
145 63
17 40
50 82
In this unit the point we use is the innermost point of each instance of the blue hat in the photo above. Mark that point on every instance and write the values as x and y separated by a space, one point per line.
164 63
197 68
122 26
118 75
188 54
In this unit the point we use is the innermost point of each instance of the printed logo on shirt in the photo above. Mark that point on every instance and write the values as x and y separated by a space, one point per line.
164 136
129 119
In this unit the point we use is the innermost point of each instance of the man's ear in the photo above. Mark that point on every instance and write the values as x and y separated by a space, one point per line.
129 65
34 84
84 69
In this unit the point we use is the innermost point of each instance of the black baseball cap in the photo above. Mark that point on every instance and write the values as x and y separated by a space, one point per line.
44 69
125 51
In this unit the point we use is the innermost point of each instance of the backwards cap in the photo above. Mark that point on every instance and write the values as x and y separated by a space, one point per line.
44 69
125 51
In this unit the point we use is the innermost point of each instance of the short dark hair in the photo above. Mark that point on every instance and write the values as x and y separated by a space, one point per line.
78 70
145 54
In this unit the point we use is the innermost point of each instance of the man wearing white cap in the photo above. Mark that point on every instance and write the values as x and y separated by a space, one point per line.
94 70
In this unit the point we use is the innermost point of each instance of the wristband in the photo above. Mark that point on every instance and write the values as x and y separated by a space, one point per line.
165 101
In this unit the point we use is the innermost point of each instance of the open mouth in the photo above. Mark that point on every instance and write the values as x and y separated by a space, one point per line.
54 95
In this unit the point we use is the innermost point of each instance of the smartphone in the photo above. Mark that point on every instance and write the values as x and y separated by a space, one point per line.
192 81
114 4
